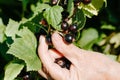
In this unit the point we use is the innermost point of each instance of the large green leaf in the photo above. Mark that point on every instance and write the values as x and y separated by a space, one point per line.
89 37
2 29
24 48
53 16
13 69
12 29
79 18
92 8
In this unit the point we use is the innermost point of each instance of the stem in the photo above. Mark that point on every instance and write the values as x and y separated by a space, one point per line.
39 27
58 2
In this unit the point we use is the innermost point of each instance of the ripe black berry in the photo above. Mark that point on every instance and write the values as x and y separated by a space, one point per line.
48 39
86 1
26 77
54 2
61 62
68 38
64 26
73 28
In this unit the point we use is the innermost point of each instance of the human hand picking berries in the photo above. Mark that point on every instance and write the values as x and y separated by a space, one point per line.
85 65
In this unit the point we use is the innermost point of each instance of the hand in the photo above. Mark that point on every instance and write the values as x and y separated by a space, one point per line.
86 65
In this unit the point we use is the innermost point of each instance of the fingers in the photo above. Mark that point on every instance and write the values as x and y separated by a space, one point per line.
53 69
43 52
55 54
70 51
42 73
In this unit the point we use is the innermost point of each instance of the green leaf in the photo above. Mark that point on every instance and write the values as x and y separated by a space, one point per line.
45 1
33 23
13 69
25 48
40 7
24 4
12 29
2 30
53 16
115 39
89 37
70 7
79 18
93 8
109 27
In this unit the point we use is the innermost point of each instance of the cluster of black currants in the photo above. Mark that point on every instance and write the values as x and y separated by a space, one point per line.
69 31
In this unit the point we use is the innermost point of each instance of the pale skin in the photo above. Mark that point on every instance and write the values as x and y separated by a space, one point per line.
86 65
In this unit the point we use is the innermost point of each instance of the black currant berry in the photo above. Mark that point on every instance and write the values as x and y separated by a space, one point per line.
60 62
68 63
73 28
86 1
48 39
26 77
68 38
54 2
63 62
64 26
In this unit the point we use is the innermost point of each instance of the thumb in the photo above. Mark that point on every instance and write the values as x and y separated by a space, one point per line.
70 51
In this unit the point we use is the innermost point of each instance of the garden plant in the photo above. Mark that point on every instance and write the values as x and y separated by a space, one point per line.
88 24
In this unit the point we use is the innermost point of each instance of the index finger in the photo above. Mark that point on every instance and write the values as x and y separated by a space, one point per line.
70 51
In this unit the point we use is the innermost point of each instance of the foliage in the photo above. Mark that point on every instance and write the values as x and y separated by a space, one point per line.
20 24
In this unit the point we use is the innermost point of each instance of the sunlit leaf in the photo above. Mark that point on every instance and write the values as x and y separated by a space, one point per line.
24 48
13 69
2 29
53 16
40 7
93 8
12 29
